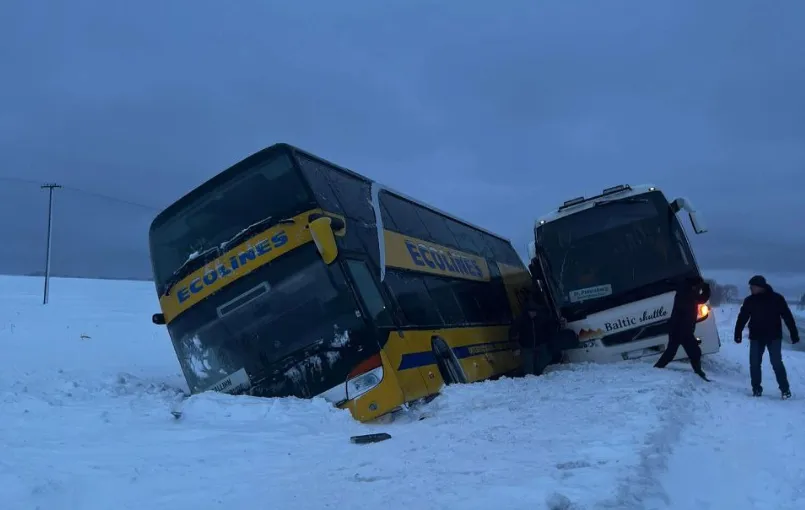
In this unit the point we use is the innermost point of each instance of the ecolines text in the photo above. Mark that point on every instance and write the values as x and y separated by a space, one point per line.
423 255
224 268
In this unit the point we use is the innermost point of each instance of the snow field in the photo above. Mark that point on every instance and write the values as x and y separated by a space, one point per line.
88 384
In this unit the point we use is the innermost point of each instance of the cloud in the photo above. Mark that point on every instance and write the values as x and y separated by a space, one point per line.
495 113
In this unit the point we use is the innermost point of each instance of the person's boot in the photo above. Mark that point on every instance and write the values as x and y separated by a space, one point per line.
786 394
757 392
697 369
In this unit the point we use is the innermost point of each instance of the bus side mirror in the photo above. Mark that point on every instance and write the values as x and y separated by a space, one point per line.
321 229
158 319
680 204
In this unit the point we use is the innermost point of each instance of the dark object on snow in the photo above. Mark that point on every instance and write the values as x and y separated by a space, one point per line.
765 310
369 438
691 293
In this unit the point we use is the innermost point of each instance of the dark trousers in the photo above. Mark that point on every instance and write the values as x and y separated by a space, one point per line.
537 359
688 342
756 349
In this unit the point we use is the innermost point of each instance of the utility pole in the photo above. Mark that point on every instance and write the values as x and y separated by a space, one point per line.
50 187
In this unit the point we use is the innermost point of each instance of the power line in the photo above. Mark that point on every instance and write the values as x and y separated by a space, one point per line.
113 199
85 192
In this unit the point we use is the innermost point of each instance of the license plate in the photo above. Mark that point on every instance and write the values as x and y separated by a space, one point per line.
232 383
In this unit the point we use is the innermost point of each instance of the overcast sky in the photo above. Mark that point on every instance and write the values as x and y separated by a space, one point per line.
494 111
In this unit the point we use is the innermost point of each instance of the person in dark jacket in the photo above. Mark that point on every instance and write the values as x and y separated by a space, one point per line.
763 309
539 334
691 293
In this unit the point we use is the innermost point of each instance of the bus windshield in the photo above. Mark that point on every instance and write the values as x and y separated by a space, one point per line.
301 308
267 188
613 248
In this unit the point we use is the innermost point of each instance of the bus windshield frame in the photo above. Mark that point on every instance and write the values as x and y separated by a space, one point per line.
263 189
275 329
617 251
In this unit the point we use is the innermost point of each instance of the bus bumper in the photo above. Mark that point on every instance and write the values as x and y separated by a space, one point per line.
595 351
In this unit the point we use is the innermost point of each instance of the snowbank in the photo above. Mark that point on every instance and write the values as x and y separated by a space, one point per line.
89 382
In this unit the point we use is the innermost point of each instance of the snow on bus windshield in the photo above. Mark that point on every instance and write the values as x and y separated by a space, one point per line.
270 188
614 248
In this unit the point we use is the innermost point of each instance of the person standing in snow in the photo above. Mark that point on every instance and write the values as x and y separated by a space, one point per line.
538 333
763 309
524 331
692 292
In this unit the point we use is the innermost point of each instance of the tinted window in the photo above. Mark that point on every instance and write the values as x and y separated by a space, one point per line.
388 221
341 193
404 215
441 290
316 176
437 227
467 293
413 297
495 300
271 187
483 241
354 194
308 302
367 236
618 247
503 251
370 294
469 240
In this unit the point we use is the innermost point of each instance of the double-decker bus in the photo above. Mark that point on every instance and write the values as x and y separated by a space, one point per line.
611 263
286 275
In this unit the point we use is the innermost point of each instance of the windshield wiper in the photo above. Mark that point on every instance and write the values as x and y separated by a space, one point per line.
246 232
191 262
182 270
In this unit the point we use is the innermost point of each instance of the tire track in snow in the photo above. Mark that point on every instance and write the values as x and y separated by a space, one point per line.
745 453
641 490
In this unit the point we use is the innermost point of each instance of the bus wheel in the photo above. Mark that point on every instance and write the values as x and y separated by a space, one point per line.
449 367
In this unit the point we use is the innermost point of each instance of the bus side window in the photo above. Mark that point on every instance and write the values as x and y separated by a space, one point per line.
370 294
409 291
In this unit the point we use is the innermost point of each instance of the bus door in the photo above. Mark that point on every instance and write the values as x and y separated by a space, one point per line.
381 317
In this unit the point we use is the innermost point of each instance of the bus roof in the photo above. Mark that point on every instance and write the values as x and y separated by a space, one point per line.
581 203
398 193
245 162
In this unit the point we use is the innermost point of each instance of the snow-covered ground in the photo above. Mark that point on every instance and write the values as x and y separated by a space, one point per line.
88 382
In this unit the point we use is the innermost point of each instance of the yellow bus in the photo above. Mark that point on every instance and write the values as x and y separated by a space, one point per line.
287 275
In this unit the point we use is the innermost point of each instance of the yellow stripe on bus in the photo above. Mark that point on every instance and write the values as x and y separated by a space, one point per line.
236 263
414 254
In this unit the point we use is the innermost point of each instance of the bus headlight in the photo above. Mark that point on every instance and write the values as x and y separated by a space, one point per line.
357 386
703 312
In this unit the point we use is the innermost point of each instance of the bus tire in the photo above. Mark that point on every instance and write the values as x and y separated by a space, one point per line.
449 367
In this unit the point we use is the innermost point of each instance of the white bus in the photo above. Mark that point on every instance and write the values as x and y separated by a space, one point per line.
611 263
